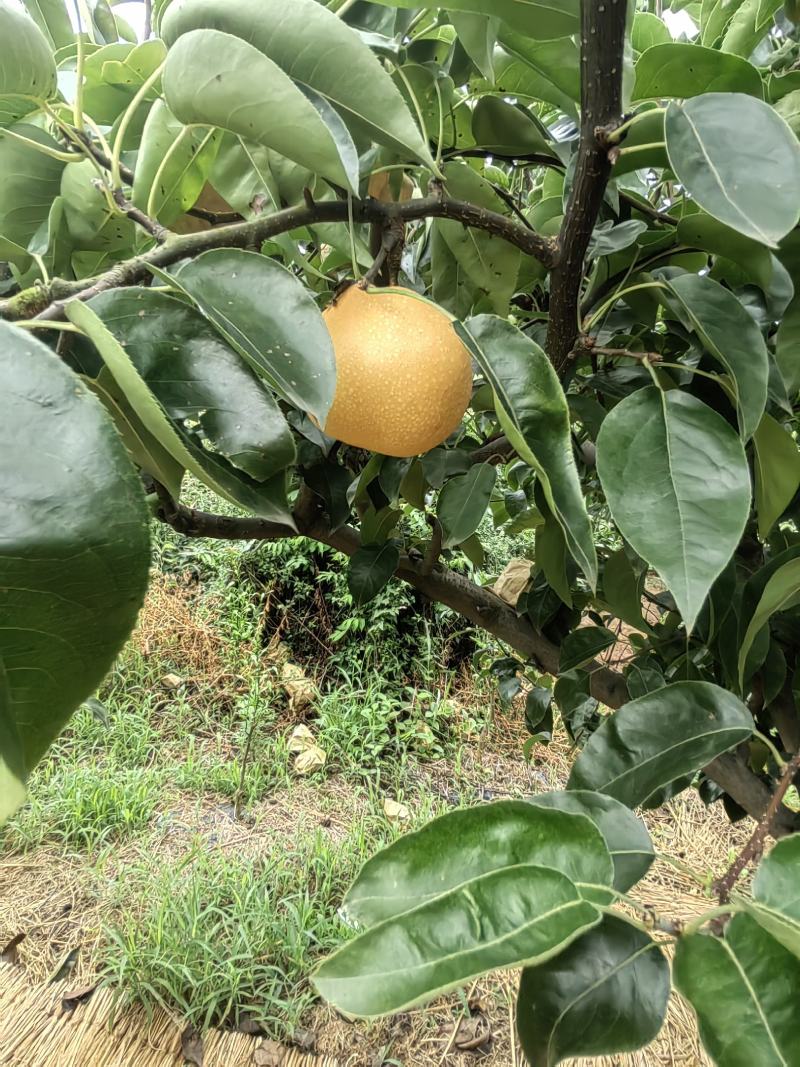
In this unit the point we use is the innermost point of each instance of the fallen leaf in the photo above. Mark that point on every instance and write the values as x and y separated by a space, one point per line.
473 1033
71 1000
308 755
298 686
304 1039
395 812
172 681
268 1054
513 579
10 953
64 969
192 1046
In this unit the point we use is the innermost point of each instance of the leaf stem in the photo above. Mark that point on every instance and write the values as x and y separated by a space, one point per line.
616 136
608 304
126 120
779 760
640 148
54 153
81 56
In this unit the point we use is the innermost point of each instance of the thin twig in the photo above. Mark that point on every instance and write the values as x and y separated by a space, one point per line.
626 353
152 226
751 852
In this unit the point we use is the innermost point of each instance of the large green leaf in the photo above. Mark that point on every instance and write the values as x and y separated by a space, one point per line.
727 174
730 335
607 993
700 230
787 348
182 178
533 412
91 223
625 834
267 499
516 915
744 989
52 19
216 79
463 845
74 557
270 318
463 502
582 645
684 509
623 589
319 52
539 70
662 736
27 67
370 568
477 35
195 376
29 183
648 30
781 591
685 70
750 24
776 893
543 19
508 129
777 472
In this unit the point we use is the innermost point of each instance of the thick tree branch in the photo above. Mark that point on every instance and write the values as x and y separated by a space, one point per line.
46 301
481 606
602 43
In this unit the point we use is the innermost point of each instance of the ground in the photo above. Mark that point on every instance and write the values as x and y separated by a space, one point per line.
182 849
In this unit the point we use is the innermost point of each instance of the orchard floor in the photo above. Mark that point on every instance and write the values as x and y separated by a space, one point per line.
143 828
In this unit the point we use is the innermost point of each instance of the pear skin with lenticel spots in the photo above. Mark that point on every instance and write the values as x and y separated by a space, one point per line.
403 377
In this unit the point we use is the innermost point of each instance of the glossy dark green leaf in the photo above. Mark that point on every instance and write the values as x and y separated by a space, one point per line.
270 318
333 60
776 470
776 893
685 70
508 129
607 993
701 230
29 183
477 35
538 704
625 834
652 741
187 164
579 709
727 176
608 238
512 916
533 412
743 988
466 844
683 510
530 69
244 91
730 335
267 499
463 502
195 376
52 19
582 645
369 570
787 348
27 67
550 549
643 678
623 590
781 591
75 552
543 19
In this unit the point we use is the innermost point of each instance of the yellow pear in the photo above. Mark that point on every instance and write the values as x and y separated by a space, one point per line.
403 377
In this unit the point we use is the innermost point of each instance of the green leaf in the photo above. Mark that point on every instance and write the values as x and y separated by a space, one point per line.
463 502
187 167
622 590
749 25
75 552
29 183
648 30
369 570
270 318
91 223
267 499
700 230
742 988
195 376
477 35
543 19
333 61
52 19
776 893
777 472
533 412
508 129
27 67
550 550
730 335
539 70
578 707
607 993
624 833
685 508
652 741
517 915
463 845
686 70
244 91
787 348
582 645
727 175
781 591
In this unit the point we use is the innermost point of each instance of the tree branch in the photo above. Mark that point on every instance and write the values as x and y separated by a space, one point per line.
152 226
602 44
46 301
